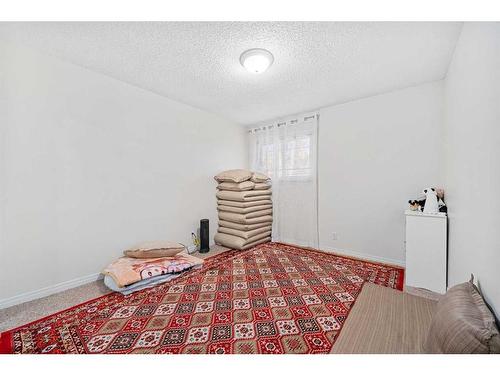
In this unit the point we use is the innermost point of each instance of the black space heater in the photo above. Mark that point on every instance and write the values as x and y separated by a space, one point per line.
204 236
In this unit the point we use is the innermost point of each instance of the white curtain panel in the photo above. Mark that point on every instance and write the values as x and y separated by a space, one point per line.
286 150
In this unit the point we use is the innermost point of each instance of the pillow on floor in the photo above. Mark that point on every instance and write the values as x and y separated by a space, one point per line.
245 234
236 186
462 324
234 175
239 243
154 249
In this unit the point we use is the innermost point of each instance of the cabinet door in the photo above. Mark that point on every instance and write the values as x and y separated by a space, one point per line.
426 252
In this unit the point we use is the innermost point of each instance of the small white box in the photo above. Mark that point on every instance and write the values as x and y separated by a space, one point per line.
426 250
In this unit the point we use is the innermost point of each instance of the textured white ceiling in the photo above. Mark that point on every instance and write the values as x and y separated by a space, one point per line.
316 63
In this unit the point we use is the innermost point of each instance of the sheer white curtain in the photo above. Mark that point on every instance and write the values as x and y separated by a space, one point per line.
286 151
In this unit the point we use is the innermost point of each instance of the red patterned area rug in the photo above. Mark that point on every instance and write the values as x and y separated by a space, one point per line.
273 298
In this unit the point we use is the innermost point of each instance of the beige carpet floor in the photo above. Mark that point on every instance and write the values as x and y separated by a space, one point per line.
18 315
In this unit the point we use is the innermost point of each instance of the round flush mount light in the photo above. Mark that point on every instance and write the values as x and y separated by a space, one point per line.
256 60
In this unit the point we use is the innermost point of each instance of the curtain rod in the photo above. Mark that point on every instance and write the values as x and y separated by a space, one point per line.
292 121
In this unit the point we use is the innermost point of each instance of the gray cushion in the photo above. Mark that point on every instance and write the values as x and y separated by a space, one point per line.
462 324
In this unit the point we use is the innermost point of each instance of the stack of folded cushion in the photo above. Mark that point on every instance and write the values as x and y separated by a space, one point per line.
147 265
245 209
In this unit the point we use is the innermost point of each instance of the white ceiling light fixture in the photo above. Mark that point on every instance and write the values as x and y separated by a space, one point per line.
256 60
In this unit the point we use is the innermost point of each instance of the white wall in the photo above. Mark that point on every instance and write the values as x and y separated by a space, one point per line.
472 159
374 155
91 165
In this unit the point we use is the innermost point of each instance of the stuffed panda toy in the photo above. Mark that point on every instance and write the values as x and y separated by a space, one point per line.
431 201
434 195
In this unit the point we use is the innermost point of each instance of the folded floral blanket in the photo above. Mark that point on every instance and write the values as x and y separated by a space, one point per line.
126 271
140 285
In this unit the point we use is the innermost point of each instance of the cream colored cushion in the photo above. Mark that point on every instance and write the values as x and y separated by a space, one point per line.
239 243
242 219
246 210
234 175
246 234
262 186
243 227
154 249
262 202
244 196
236 186
259 177
259 213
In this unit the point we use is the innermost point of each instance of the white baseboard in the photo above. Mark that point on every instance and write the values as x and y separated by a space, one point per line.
65 285
364 256
47 291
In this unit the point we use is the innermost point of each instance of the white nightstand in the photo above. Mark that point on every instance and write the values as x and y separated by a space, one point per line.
426 251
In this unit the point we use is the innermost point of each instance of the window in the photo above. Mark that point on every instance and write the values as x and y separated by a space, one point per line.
293 158
286 152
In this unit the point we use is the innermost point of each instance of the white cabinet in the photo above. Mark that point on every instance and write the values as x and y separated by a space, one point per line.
426 251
